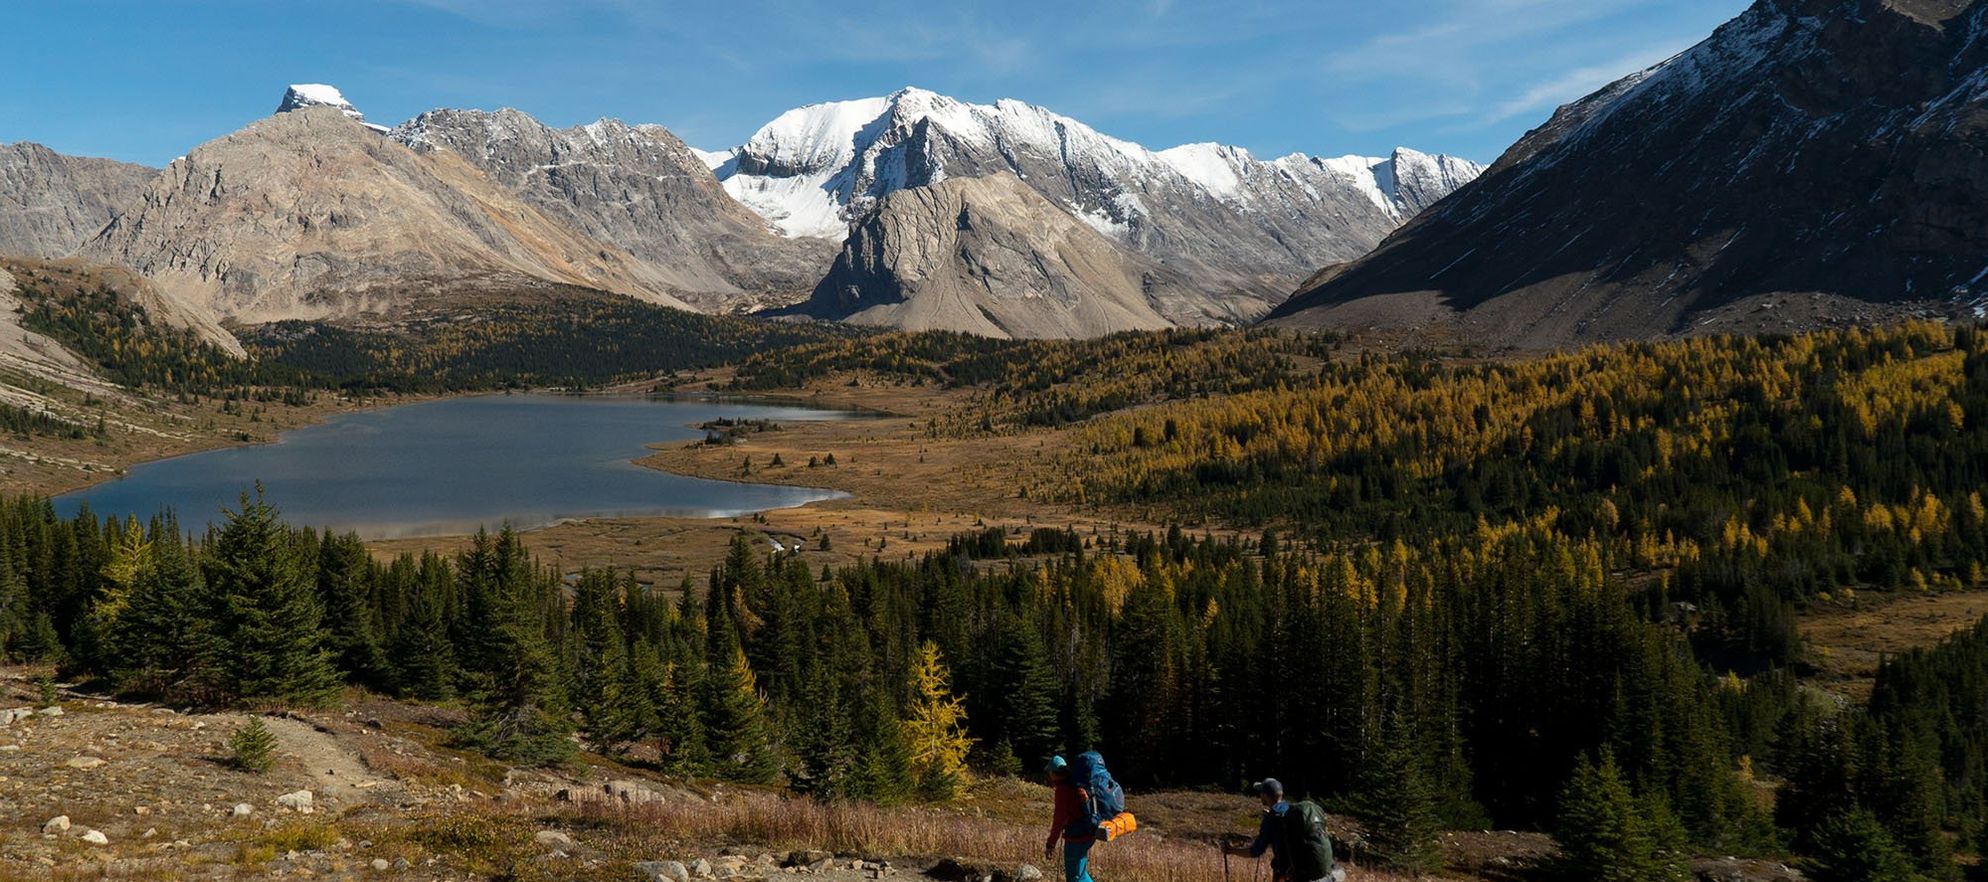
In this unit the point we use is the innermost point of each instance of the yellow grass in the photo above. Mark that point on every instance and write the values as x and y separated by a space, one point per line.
779 823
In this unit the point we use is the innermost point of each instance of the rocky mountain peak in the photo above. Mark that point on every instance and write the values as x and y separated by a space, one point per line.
301 95
1246 228
1811 162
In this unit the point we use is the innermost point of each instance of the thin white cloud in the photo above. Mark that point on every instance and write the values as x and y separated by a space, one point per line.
1575 84
1455 40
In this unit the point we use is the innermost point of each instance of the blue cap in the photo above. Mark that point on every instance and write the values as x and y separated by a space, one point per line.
1270 787
1056 764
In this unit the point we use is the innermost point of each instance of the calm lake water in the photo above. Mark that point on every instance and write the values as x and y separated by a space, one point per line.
451 466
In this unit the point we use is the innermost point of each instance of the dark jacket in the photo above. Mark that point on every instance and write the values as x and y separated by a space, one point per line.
1270 836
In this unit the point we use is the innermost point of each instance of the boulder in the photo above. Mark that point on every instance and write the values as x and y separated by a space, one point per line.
56 825
84 762
553 839
662 871
806 858
1731 869
381 865
94 837
954 870
300 800
243 810
701 869
1028 873
621 791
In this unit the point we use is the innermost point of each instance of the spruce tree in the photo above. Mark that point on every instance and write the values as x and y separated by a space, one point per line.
736 730
420 654
675 692
1402 828
611 715
1603 832
883 771
1854 847
264 613
822 742
161 641
252 748
521 710
352 631
1024 695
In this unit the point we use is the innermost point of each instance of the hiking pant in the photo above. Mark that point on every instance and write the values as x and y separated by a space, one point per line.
1076 861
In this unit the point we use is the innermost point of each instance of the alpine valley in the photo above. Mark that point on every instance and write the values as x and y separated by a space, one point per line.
881 497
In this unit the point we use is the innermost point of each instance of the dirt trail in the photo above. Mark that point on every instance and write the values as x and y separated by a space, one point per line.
335 768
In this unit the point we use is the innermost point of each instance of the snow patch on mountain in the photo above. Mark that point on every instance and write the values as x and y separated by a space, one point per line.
302 95
1218 169
714 159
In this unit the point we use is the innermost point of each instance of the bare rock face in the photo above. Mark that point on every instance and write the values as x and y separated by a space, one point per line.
1244 230
1814 162
310 214
51 203
640 188
987 256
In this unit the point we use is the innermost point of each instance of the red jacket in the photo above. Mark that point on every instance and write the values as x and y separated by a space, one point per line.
1070 802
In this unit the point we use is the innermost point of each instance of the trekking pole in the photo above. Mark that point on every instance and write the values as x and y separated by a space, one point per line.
1225 862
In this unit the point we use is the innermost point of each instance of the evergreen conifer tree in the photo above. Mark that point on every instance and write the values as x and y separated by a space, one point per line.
611 714
1402 827
420 654
1854 847
675 691
352 631
883 771
161 640
822 742
1603 832
263 613
735 729
521 714
1025 692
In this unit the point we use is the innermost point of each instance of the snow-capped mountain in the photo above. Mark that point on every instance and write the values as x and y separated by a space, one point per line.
1812 162
1245 229
302 95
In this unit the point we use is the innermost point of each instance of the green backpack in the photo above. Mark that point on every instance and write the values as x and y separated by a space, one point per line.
1309 846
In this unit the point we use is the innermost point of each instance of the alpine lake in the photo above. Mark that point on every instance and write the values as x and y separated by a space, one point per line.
455 465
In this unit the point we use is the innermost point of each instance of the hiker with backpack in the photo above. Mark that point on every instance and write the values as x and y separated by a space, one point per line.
1294 834
1090 807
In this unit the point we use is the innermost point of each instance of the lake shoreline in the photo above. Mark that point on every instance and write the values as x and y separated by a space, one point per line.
449 465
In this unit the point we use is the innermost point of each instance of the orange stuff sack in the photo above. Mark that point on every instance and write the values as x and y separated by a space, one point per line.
1118 826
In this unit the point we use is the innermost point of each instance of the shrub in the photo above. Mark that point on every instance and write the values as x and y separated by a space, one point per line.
253 747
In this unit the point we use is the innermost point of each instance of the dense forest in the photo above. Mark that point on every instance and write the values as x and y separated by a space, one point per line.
130 349
565 338
568 338
1054 382
1745 476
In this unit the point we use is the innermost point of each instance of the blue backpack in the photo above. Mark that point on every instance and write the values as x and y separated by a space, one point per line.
1107 799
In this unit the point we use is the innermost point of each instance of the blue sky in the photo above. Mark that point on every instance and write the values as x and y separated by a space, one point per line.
145 80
